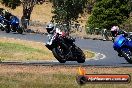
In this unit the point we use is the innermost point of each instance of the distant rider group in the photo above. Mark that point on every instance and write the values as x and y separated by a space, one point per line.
9 22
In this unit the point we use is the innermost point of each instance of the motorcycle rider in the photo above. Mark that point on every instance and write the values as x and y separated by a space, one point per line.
1 19
7 17
60 48
1 13
7 14
1 10
115 31
51 29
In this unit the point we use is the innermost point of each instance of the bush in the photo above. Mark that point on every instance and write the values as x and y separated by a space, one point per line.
107 13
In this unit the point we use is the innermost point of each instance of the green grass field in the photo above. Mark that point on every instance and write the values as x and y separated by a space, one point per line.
27 80
53 77
14 51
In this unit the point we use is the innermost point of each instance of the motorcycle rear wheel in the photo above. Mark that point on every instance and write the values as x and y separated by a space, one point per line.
56 52
20 31
127 54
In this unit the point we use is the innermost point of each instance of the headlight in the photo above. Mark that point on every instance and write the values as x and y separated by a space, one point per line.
17 22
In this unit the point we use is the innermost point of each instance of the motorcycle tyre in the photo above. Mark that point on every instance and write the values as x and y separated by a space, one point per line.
20 31
57 56
127 58
81 58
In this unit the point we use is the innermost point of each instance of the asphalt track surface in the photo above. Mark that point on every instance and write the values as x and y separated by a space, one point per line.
106 54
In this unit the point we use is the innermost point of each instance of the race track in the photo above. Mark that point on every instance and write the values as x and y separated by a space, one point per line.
107 57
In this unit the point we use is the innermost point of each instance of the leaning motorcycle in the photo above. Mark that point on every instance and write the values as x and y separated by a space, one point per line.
64 49
10 25
123 45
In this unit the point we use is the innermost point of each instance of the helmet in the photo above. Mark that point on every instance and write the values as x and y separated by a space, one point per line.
49 27
115 28
114 31
5 11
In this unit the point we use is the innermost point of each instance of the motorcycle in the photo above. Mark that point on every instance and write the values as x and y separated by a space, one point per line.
123 45
11 25
64 49
14 25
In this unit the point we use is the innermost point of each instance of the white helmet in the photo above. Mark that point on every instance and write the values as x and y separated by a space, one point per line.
115 28
49 27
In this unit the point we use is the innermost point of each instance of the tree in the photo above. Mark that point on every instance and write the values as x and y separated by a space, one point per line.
90 4
66 11
11 3
127 25
107 13
27 7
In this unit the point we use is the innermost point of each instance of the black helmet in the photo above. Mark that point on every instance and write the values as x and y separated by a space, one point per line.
49 27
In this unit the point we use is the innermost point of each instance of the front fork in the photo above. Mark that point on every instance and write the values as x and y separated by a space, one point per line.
119 53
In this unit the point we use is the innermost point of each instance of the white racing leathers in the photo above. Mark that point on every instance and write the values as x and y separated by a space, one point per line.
51 37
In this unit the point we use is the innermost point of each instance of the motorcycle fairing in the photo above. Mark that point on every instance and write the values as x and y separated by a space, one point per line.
14 21
119 41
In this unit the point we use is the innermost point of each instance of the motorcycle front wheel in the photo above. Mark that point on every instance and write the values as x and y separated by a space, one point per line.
20 30
127 54
58 55
80 55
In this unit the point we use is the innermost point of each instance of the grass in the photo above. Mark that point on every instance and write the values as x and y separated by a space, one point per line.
53 77
22 50
89 54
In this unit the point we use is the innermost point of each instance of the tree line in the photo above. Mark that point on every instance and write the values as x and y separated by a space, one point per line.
104 13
